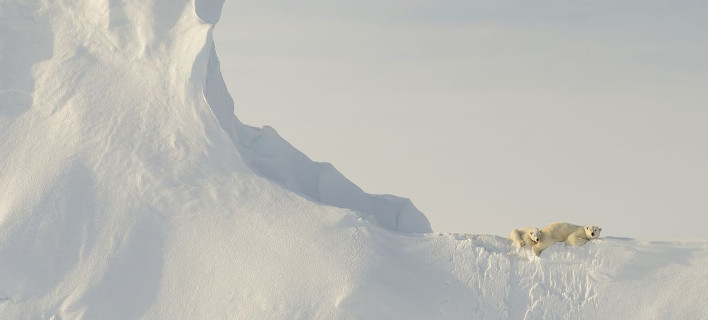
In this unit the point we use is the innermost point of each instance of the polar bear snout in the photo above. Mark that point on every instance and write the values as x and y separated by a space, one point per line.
535 236
593 231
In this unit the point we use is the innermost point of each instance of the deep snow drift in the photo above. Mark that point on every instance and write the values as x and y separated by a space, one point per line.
128 189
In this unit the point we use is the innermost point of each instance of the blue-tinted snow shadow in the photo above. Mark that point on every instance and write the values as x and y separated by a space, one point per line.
43 246
26 39
132 281
49 241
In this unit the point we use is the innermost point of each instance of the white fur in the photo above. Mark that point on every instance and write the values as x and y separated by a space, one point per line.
572 235
525 236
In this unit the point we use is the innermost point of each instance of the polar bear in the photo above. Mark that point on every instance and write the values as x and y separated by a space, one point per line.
525 236
572 235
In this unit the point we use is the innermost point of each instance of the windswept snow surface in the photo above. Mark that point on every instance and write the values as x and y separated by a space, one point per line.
129 190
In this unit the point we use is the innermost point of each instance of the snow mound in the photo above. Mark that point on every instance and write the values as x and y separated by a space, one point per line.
129 190
609 278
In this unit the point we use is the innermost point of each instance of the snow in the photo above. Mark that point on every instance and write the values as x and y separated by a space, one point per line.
273 157
129 190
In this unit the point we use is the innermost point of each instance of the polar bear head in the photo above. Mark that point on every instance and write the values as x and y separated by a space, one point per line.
593 232
534 235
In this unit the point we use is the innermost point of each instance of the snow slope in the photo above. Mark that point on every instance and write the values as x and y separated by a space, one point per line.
455 276
129 190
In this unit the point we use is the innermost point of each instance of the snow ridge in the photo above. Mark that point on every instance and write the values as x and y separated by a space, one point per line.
274 158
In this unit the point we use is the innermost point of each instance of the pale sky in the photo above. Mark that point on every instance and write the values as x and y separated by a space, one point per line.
490 115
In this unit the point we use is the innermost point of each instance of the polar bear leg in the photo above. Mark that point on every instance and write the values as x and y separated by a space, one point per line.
516 238
574 240
540 246
537 249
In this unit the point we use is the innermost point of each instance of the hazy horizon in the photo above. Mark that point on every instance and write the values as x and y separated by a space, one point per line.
490 116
